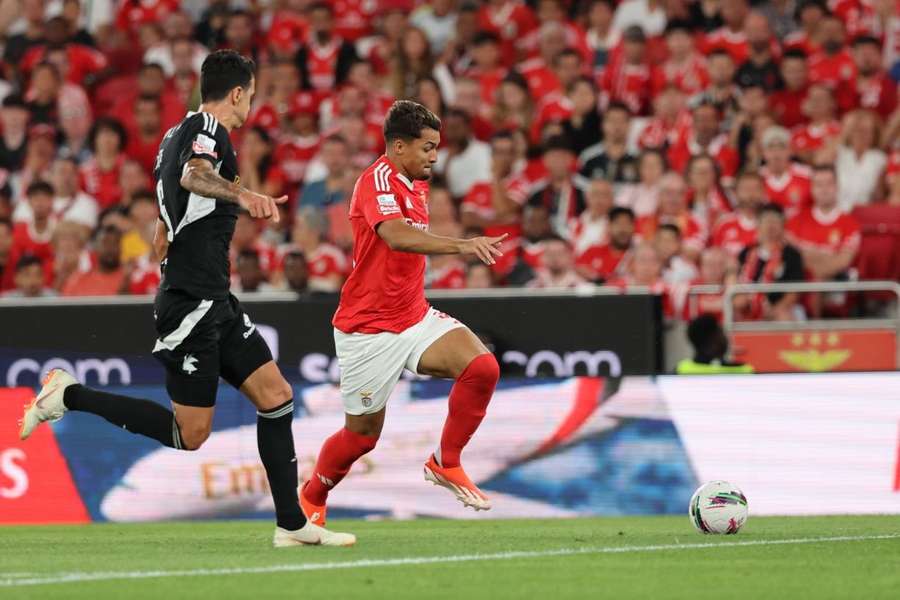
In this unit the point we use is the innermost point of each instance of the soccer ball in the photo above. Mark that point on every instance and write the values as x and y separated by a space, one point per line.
718 507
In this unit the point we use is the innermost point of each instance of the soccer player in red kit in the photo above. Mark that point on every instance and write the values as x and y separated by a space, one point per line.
383 323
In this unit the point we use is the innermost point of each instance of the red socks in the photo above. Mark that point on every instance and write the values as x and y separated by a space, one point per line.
468 403
337 455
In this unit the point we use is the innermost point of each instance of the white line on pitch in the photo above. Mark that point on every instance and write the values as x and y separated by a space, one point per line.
76 577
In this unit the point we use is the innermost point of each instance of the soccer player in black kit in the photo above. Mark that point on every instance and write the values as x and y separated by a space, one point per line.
203 333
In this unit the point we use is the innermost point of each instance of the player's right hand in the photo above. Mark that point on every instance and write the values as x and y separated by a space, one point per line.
261 206
485 248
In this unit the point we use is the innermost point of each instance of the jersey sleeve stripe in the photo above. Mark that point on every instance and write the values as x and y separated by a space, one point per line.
377 173
382 172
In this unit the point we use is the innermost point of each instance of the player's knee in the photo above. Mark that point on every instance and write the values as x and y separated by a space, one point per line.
193 436
484 370
276 394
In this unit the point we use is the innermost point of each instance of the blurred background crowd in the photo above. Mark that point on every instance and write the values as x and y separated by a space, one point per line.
656 143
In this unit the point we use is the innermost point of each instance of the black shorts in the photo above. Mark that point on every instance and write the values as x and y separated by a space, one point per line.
199 341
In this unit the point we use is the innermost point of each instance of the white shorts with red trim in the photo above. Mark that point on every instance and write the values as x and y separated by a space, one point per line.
372 363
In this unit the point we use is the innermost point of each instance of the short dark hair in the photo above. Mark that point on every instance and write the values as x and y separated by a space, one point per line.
620 211
773 208
824 167
702 331
222 71
670 227
566 52
141 195
558 142
503 134
617 105
249 254
108 229
681 25
866 40
150 98
39 187
6 222
406 120
14 101
485 37
110 124
28 260
796 53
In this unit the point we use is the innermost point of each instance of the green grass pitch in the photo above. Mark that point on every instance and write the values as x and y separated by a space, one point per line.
642 557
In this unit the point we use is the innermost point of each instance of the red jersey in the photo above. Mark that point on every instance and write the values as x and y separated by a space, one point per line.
834 232
733 233
859 16
295 154
386 288
133 13
660 134
450 276
489 82
787 107
878 94
691 77
602 261
325 262
510 22
810 138
838 72
83 61
143 151
102 185
25 240
790 190
628 84
733 42
353 18
541 79
321 61
725 155
800 40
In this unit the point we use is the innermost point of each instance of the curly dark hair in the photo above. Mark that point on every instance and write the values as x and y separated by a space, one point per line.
406 120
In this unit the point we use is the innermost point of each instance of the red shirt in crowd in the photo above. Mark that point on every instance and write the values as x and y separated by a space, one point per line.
541 79
512 21
724 154
601 261
693 234
353 18
838 72
787 106
831 232
629 84
134 13
386 288
25 240
102 185
83 61
324 263
691 77
790 190
450 276
878 94
733 42
94 283
142 151
294 155
812 137
733 233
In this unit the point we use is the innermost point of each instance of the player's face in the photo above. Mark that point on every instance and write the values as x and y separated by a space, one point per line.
420 154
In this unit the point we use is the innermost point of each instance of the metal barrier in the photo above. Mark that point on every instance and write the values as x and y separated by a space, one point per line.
733 326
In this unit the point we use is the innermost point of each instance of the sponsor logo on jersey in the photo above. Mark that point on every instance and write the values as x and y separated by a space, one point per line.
387 204
204 144
189 364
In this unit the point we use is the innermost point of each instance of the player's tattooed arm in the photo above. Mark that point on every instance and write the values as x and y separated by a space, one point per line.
200 178
404 238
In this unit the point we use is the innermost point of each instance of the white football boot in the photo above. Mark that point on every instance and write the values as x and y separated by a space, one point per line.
311 535
48 404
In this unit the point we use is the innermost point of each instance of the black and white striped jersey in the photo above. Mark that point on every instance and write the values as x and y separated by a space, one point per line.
199 228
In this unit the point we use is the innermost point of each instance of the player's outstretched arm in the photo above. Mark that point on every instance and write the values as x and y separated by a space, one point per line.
200 178
402 237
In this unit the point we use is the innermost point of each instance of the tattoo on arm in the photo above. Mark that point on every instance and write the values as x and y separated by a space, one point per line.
199 177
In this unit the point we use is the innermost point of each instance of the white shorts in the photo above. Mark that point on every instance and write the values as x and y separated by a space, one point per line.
371 363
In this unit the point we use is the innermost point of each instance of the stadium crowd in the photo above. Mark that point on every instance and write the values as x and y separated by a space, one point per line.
659 143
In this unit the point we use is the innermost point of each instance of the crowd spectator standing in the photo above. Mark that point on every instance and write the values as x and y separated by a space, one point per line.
631 142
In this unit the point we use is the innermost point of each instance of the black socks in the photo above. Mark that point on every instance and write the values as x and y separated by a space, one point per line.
132 414
276 449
